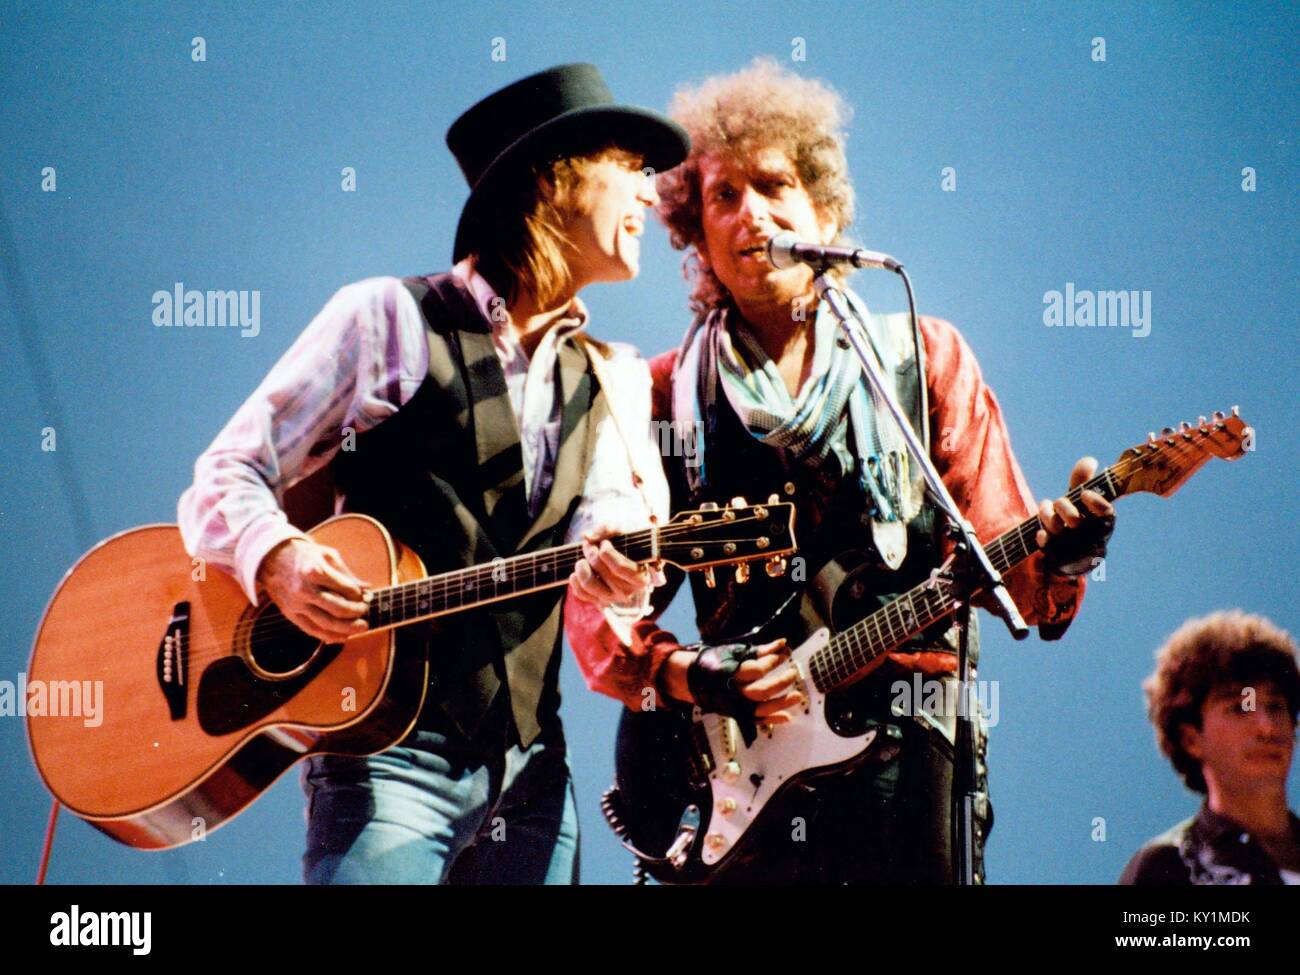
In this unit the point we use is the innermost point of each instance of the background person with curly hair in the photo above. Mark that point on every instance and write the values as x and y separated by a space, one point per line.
1224 699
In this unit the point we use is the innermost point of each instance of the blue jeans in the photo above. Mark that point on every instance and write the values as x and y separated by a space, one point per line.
436 810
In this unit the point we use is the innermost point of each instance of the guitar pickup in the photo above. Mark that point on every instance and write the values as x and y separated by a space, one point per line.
171 664
700 756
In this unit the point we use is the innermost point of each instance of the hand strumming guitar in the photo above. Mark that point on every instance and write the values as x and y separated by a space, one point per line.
314 589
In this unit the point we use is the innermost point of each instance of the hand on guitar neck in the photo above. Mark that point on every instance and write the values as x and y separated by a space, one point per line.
1062 518
771 687
607 578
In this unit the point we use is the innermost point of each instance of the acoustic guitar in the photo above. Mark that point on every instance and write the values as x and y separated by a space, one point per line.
161 703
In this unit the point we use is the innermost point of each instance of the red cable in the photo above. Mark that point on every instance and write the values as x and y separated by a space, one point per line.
49 842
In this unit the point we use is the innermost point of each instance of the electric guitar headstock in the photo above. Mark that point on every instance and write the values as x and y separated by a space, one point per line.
1164 462
737 533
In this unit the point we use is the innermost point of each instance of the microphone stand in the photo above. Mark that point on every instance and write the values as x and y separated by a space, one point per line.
972 570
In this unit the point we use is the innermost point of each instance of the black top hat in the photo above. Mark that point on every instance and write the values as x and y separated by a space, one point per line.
563 111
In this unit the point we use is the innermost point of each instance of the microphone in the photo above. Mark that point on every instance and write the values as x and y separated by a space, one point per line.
784 251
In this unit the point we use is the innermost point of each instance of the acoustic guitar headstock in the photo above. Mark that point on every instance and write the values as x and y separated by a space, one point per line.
736 533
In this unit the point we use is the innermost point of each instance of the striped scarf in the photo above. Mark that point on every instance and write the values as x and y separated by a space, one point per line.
835 425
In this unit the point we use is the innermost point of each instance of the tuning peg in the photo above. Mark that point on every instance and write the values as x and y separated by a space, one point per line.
1234 412
739 502
774 498
1184 425
775 566
1201 421
1218 414
709 506
742 573
1166 431
710 579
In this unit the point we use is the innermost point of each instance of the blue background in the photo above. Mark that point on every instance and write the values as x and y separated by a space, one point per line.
1117 175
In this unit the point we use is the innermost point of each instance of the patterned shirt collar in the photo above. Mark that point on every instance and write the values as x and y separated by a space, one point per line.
1214 827
493 307
1218 850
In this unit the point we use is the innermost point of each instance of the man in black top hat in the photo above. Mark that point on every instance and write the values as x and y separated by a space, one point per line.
464 412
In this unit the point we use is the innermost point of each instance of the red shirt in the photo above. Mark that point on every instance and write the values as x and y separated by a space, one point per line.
971 450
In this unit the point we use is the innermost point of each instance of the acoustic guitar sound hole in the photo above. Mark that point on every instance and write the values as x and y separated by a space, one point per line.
276 645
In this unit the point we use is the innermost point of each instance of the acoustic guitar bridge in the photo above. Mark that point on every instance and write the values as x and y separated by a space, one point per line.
172 661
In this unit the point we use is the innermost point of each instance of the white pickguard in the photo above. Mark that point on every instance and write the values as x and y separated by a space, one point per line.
748 776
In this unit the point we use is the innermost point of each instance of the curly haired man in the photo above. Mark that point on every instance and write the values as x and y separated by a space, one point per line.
1223 699
775 404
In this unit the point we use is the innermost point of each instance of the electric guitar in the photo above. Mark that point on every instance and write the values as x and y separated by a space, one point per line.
161 703
691 788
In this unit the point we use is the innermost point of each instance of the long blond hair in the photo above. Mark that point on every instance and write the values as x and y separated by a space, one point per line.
523 246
